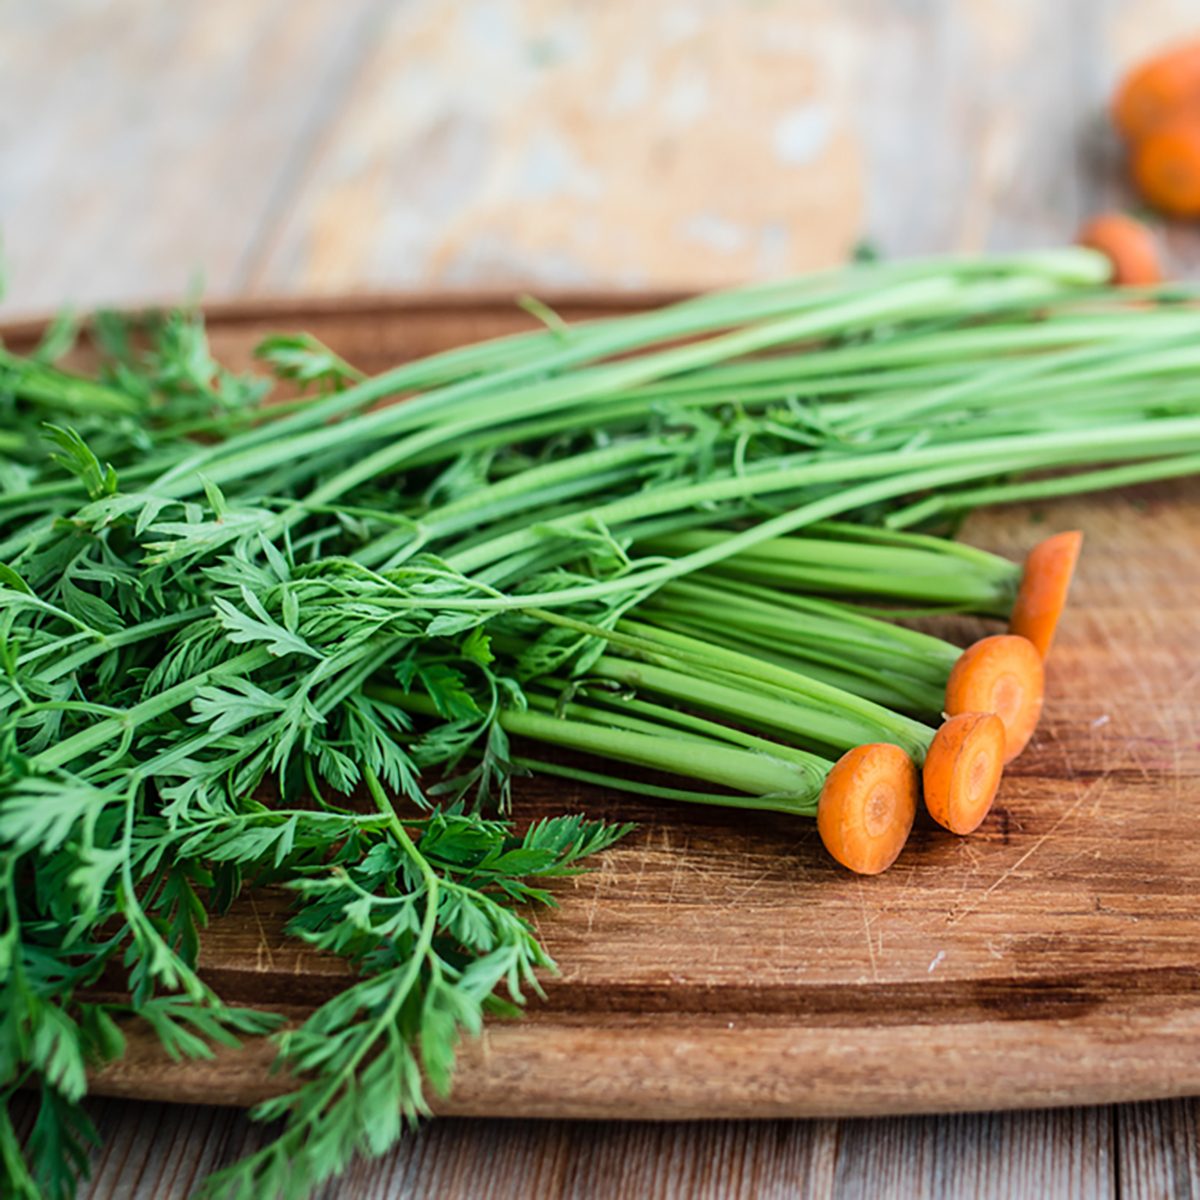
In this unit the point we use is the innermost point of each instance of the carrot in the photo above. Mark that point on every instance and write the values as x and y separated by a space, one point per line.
867 806
1157 88
1042 594
1001 674
962 770
1129 246
1166 165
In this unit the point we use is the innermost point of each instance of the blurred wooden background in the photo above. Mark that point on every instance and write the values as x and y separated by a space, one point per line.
331 146
334 145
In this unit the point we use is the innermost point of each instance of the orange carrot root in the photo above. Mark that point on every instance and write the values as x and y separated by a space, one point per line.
1002 674
867 807
962 770
1157 88
1129 246
1166 165
1045 583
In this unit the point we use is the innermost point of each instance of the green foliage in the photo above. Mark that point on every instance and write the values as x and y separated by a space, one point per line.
172 682
75 456
425 914
302 358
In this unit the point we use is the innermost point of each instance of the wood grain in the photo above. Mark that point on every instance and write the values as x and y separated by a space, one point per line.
145 147
336 145
1158 1149
1051 959
1138 1152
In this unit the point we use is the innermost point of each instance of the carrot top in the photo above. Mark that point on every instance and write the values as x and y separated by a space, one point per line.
867 807
1042 595
1001 674
962 770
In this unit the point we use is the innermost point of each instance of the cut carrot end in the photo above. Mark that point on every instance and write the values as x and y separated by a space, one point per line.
962 770
1002 674
1042 596
867 807
1128 245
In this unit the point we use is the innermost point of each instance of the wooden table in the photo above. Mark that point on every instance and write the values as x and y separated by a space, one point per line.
297 146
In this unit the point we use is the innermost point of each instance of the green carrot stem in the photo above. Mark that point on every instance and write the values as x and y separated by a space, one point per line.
793 805
895 474
575 711
462 414
911 644
624 710
490 377
1044 489
536 487
832 716
992 564
779 781
66 664
777 711
40 383
856 567
873 680
788 629
1107 356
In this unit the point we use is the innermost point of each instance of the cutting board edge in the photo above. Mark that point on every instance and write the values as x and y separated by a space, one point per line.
21 330
545 1070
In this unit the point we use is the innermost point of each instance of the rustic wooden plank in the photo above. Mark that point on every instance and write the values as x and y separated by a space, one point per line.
145 144
764 1159
1157 1149
730 143
153 1151
964 127
362 144
1056 1153
160 1152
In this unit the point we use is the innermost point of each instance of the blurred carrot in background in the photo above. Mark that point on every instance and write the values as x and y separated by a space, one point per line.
1157 89
1157 110
1166 165
1130 246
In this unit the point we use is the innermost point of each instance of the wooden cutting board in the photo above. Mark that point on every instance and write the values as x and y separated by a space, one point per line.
719 965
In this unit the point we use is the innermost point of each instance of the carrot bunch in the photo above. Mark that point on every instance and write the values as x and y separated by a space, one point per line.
1157 111
781 700
977 708
993 701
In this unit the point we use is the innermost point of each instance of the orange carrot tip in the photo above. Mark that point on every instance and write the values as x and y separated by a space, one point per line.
1004 675
1128 245
867 807
962 770
1045 583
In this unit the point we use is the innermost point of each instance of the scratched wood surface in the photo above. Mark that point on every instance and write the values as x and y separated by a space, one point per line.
726 969
307 146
